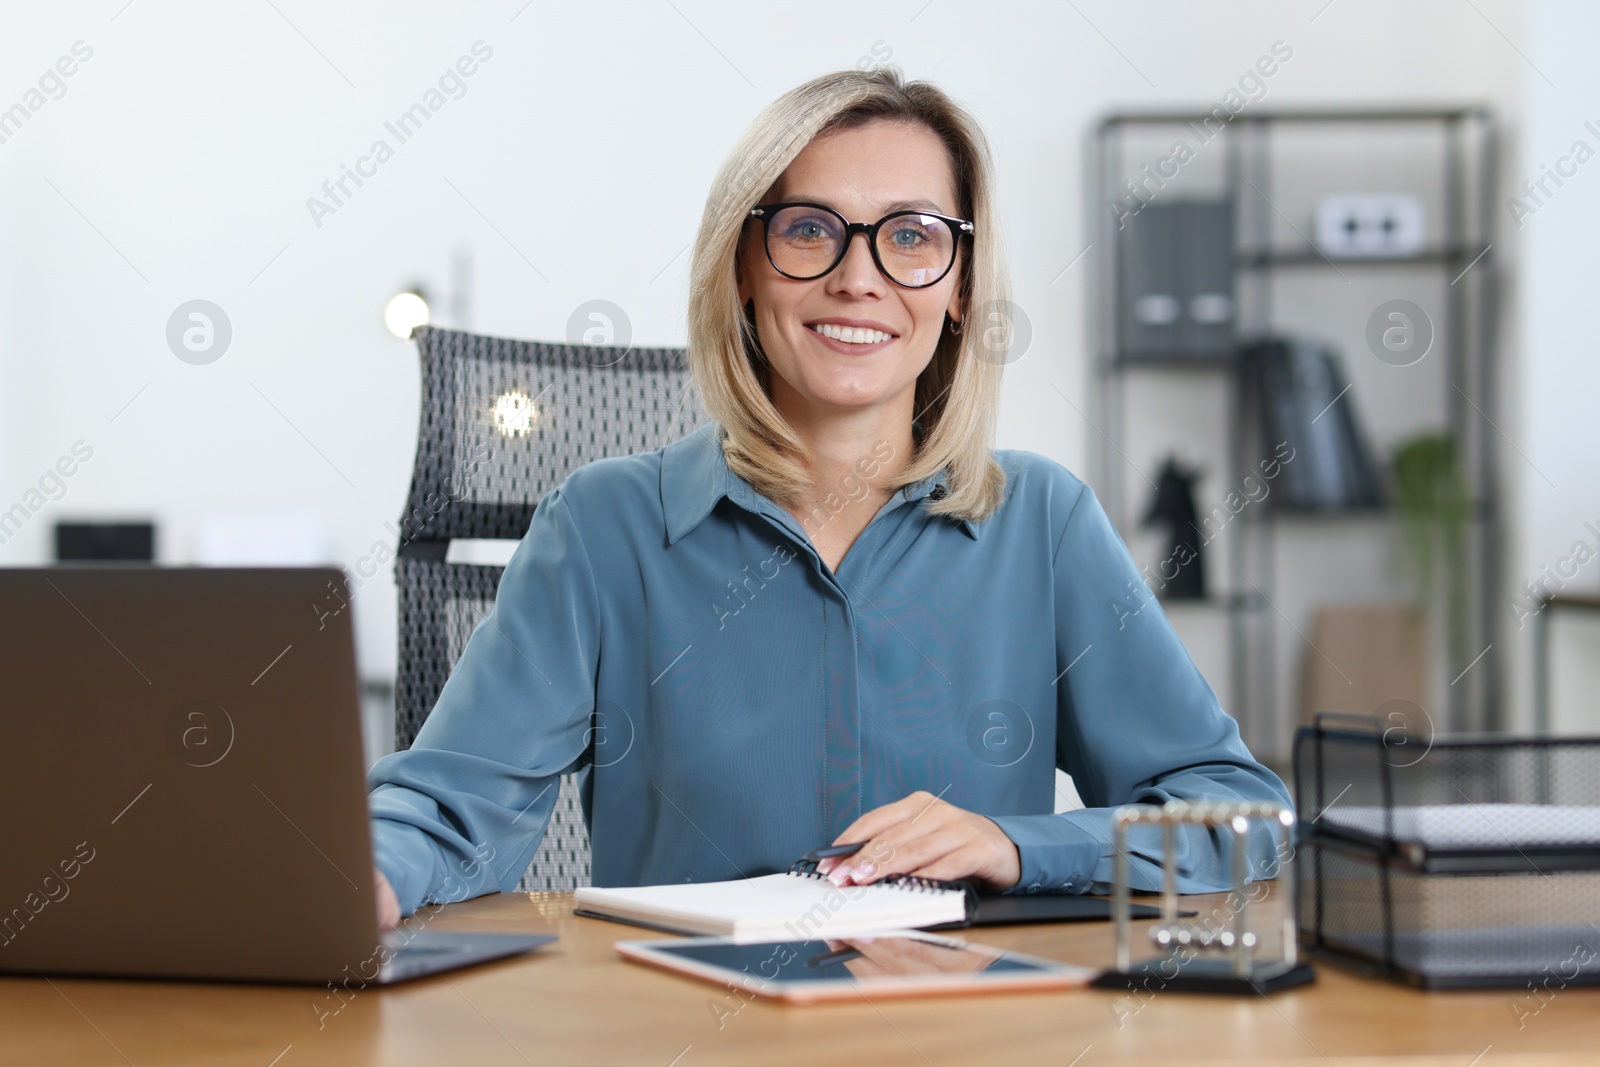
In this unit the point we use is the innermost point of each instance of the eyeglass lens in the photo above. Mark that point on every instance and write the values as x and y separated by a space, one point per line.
913 249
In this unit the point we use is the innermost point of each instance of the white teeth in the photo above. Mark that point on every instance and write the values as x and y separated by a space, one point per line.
855 335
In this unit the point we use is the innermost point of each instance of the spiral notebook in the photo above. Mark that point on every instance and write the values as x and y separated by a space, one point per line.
799 905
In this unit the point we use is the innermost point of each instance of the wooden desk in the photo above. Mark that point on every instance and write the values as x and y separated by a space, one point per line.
576 1002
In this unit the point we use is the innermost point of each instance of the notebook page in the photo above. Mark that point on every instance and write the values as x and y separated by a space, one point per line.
778 907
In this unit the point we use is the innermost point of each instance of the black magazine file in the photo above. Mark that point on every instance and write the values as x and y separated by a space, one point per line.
1298 389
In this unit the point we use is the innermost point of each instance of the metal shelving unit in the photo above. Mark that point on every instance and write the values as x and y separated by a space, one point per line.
1270 245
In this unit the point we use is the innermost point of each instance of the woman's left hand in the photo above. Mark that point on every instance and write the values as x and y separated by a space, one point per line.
927 837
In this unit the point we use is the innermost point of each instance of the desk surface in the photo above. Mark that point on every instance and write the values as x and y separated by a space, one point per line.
575 1002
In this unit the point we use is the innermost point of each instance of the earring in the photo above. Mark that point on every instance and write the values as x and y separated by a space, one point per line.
955 326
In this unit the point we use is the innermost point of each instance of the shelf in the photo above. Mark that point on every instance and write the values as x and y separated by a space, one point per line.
1459 157
1259 259
1272 514
1230 602
1172 361
1477 512
1169 118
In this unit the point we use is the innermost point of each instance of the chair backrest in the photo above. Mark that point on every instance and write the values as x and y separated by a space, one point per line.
503 422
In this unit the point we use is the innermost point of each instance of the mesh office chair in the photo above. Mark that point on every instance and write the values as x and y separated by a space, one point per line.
503 422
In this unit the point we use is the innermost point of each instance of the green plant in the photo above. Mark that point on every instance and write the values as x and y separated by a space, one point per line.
1433 501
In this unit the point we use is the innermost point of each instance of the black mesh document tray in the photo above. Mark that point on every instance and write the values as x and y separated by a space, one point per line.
1450 862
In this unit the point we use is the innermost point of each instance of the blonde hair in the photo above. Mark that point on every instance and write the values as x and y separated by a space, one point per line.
957 396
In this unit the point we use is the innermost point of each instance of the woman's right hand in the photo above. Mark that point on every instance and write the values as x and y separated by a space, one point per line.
388 903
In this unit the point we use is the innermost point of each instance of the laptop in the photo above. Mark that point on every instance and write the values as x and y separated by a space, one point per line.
181 776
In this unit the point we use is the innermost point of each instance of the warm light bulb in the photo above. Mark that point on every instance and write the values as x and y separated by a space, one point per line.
515 413
404 313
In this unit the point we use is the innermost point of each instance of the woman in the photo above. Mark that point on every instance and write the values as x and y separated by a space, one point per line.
836 615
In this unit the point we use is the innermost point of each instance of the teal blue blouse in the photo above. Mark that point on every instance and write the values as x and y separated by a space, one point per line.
729 703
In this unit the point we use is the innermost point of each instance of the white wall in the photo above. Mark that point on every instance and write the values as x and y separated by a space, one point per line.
1557 394
179 161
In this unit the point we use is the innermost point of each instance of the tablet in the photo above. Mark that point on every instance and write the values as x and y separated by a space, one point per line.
902 963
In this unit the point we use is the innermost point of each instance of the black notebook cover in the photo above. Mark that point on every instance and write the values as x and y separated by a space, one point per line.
1057 908
984 909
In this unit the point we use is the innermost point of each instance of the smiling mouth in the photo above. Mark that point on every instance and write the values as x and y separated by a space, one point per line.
850 335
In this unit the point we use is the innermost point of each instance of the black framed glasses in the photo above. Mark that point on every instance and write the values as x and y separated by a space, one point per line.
913 249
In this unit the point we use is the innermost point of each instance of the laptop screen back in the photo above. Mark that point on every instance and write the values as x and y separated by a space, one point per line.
181 774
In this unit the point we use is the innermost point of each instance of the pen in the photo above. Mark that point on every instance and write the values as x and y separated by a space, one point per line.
833 852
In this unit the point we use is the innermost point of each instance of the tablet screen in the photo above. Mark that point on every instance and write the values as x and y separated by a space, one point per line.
858 958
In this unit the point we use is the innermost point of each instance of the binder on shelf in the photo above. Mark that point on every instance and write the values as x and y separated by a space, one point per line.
1177 289
1303 401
